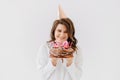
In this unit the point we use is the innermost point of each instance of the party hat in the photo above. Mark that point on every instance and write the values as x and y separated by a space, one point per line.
61 13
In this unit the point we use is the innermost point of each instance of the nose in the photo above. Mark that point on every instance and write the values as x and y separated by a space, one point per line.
62 34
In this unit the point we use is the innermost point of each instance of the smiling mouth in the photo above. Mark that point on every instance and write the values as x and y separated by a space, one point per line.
61 38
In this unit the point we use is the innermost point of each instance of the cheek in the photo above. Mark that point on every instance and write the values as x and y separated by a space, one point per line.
66 36
56 35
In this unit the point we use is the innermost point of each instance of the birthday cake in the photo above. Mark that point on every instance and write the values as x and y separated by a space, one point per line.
61 50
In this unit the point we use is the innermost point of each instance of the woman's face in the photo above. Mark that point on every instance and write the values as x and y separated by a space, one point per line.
61 34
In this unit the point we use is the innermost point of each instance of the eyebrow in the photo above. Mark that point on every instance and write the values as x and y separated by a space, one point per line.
61 30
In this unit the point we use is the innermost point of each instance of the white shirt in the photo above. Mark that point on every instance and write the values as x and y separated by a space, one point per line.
60 71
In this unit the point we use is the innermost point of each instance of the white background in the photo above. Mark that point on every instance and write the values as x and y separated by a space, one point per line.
26 24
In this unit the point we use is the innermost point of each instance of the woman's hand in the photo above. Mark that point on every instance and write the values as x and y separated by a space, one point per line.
53 60
69 61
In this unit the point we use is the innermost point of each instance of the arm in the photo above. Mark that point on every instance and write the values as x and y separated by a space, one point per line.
44 63
75 69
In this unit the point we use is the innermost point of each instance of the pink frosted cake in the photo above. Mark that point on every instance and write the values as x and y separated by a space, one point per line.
61 50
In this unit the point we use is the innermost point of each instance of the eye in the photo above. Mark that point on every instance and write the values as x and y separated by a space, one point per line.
59 30
65 32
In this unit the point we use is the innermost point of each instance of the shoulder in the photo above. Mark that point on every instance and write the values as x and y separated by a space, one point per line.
44 46
79 50
43 49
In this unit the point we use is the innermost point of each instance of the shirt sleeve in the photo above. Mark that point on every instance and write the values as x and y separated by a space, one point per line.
44 63
75 69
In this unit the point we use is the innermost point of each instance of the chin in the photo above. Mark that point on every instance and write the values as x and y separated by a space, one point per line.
60 40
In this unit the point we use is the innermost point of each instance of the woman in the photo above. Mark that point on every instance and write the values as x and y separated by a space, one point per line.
57 68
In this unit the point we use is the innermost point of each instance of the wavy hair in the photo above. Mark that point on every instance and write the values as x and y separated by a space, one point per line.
70 31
